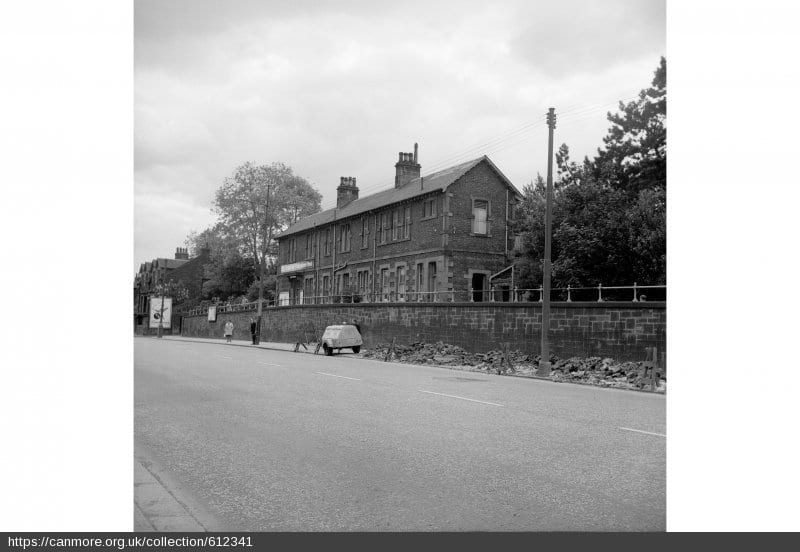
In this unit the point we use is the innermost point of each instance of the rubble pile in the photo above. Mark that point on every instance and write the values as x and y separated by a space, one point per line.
604 372
419 352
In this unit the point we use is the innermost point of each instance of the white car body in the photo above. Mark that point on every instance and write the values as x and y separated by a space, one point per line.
342 336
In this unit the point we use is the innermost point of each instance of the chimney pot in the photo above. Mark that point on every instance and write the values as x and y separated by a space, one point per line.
346 192
407 168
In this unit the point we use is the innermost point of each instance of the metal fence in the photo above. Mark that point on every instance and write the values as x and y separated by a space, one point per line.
599 293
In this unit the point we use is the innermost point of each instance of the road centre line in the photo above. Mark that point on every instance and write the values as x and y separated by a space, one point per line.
226 358
462 398
336 376
640 431
269 363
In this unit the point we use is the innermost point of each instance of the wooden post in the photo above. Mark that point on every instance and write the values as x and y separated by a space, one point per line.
390 351
653 377
544 360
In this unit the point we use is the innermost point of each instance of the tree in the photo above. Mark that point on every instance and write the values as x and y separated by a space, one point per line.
213 238
257 202
228 272
635 153
609 213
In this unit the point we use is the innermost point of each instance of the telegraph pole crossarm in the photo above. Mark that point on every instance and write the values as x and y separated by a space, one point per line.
544 360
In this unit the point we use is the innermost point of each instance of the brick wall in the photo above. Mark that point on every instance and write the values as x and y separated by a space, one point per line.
480 183
446 238
191 273
618 330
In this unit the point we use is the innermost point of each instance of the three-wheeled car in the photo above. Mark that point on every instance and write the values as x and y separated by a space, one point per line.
342 336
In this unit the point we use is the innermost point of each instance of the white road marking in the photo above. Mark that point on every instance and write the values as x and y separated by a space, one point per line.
268 363
226 358
336 376
462 398
640 431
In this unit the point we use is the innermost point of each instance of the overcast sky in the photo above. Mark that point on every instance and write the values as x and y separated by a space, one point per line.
339 88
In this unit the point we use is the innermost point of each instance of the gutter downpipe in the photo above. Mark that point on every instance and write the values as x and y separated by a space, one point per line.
374 255
333 263
506 242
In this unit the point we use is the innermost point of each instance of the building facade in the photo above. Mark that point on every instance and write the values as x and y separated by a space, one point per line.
189 272
437 237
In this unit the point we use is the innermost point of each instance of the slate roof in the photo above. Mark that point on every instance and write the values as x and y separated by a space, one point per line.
433 182
171 263
161 262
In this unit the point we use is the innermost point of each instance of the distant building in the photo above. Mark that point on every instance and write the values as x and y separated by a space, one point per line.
190 272
437 237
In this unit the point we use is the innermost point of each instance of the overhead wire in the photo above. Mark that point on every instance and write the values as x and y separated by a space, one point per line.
569 116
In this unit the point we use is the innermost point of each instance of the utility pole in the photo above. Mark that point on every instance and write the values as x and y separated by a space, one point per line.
544 361
262 267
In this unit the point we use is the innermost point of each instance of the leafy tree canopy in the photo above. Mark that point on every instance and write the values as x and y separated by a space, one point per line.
609 213
253 205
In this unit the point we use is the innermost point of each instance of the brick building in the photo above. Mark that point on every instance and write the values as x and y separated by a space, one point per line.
437 237
181 269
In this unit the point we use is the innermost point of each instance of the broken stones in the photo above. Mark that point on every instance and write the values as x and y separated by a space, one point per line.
605 372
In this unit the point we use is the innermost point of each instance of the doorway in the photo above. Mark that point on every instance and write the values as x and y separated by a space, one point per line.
478 287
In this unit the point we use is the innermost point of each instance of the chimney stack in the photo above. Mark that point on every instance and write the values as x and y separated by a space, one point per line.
346 192
407 168
182 253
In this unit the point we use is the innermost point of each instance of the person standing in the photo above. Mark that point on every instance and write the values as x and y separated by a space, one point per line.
254 330
228 330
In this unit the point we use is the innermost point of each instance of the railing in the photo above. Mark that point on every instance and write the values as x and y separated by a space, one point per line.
599 293
378 297
227 307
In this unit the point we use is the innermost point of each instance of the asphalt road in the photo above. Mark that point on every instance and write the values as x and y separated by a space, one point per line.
280 441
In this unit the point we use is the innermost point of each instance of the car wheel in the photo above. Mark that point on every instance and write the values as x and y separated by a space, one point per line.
356 349
328 350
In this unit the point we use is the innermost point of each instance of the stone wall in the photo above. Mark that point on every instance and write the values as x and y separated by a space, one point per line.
618 330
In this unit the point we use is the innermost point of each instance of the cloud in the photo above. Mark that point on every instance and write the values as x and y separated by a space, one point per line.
162 222
585 37
338 89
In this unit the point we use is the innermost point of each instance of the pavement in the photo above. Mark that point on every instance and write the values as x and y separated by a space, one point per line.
161 503
266 439
237 343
